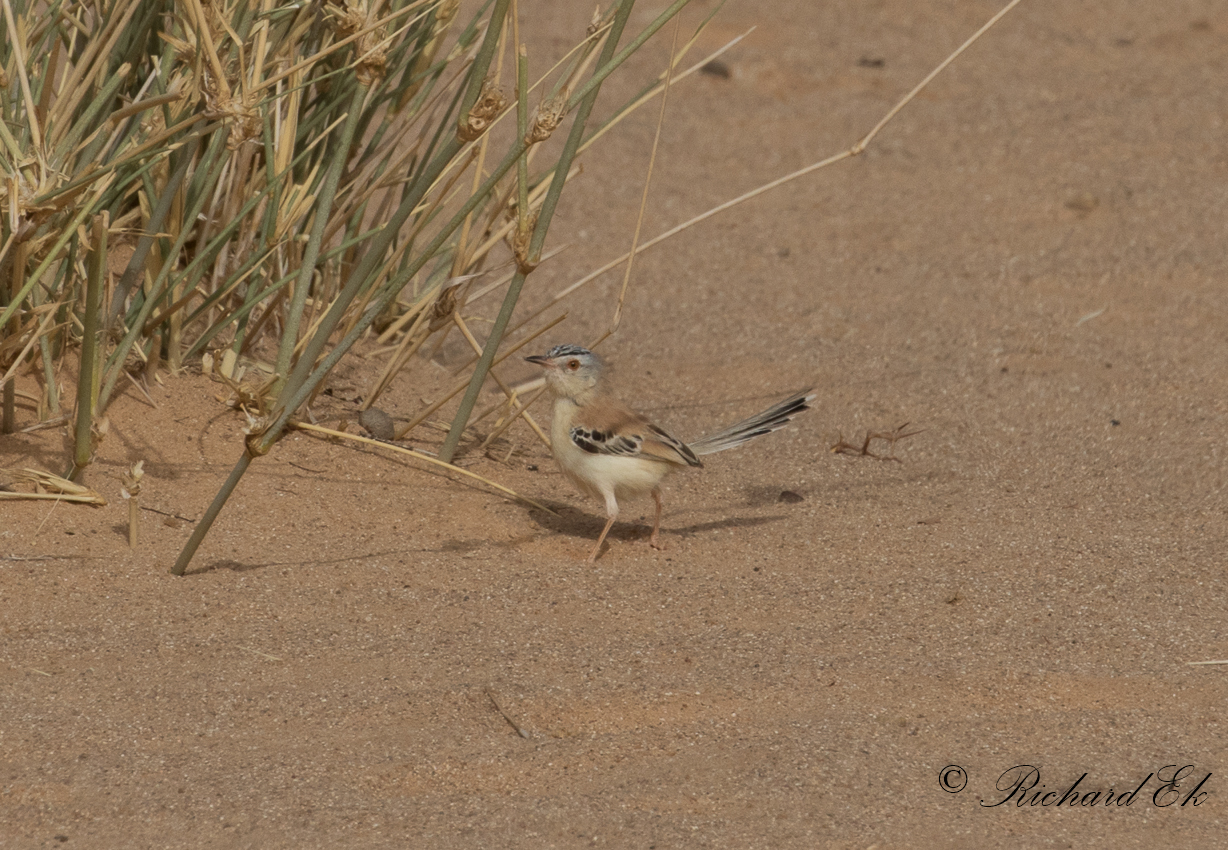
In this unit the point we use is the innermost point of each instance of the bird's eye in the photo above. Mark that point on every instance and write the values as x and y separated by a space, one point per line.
573 365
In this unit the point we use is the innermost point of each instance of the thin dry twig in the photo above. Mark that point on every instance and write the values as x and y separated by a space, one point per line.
520 730
890 437
304 426
652 161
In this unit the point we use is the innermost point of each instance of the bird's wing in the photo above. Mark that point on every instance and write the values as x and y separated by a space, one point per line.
605 427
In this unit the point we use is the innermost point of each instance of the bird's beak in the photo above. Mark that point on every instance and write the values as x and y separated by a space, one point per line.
539 359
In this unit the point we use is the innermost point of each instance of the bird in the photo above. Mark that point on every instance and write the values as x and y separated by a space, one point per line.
610 452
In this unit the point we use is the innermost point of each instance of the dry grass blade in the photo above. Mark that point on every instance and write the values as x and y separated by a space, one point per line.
517 411
652 161
19 52
304 426
20 339
61 488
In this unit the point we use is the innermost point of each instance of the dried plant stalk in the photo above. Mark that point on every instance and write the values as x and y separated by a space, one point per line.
83 446
131 491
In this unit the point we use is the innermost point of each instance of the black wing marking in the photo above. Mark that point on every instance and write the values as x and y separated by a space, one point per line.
597 442
683 450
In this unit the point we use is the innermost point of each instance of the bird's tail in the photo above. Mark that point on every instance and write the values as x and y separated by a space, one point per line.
772 419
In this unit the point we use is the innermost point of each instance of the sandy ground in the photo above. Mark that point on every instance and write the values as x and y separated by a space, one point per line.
1028 264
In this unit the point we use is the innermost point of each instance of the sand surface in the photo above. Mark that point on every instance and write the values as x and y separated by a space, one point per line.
1028 266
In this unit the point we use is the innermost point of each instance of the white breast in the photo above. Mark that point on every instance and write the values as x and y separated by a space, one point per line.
600 475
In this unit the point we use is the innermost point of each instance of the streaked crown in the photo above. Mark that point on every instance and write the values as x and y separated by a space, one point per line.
569 350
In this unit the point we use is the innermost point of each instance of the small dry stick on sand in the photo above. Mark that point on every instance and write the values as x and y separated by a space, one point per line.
519 729
891 437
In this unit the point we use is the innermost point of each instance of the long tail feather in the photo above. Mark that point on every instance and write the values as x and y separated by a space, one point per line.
772 419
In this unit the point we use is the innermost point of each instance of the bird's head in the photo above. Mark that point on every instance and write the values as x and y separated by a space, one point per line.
571 371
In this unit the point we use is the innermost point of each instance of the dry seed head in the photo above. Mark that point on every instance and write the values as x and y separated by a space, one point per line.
250 396
17 196
443 308
521 237
254 429
444 14
490 103
185 49
349 19
547 119
132 480
596 22
240 112
353 18
373 67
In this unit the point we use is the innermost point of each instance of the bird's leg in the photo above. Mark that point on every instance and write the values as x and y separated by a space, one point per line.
654 540
601 539
611 511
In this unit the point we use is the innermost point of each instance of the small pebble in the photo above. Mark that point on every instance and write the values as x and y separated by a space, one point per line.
1083 203
378 423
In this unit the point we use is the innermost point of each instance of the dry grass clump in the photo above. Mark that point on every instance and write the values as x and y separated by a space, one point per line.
265 181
